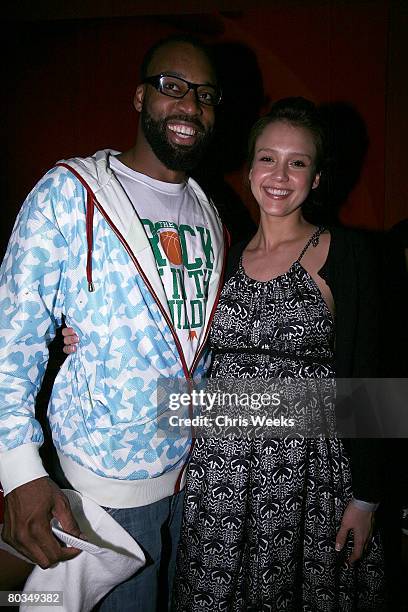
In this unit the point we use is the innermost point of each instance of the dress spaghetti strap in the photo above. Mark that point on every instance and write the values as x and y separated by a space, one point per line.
314 239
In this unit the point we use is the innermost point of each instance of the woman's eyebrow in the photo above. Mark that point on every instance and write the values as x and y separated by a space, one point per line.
270 150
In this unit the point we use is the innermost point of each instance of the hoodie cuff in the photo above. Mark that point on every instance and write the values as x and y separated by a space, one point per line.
20 465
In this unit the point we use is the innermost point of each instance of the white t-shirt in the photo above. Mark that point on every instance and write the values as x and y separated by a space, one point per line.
182 245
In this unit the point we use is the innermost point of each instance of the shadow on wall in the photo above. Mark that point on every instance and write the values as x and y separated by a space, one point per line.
243 100
347 144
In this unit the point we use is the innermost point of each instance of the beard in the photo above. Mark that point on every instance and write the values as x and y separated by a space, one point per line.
179 158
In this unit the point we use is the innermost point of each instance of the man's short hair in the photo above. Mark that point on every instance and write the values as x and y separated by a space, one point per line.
174 39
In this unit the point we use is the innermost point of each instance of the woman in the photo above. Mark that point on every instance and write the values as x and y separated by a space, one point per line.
267 520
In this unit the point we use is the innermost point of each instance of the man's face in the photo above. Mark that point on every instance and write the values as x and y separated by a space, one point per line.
178 130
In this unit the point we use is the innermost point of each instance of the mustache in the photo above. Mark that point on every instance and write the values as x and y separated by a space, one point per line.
189 119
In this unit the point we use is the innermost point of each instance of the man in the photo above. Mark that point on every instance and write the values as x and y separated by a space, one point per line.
130 252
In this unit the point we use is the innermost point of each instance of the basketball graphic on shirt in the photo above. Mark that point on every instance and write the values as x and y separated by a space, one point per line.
170 242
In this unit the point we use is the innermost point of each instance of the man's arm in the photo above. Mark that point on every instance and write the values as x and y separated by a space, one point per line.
31 299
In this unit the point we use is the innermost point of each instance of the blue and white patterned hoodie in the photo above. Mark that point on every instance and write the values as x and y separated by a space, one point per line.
78 249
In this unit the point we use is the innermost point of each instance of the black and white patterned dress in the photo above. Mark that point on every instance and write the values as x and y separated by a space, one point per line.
261 515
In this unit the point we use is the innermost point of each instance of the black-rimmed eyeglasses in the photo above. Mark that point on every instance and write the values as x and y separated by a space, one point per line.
175 87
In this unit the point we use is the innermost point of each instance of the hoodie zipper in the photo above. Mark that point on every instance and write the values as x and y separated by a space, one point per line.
220 285
199 353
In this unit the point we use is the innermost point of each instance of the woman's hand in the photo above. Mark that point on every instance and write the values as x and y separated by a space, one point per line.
361 522
70 340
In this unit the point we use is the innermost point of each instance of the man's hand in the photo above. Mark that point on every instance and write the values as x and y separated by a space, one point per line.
27 515
361 522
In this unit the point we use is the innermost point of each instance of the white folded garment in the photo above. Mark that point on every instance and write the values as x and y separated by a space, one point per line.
110 556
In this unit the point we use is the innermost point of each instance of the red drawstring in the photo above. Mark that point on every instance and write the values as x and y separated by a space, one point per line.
89 238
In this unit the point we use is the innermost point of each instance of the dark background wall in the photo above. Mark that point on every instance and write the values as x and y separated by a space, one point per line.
71 70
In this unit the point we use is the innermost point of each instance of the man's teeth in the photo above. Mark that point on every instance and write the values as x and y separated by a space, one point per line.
182 130
277 192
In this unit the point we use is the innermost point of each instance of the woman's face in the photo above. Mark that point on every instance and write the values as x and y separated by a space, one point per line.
283 169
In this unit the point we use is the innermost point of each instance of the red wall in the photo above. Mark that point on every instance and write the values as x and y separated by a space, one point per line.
71 82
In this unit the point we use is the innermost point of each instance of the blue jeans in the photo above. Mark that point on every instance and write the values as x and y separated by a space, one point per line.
156 528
